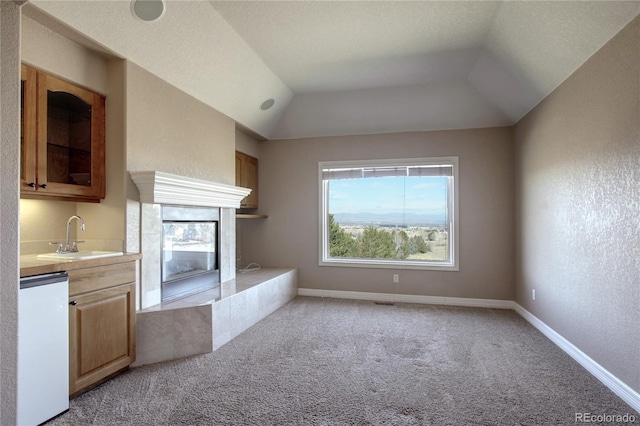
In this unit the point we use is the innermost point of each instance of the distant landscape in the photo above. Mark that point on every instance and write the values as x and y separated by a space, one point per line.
383 236
391 219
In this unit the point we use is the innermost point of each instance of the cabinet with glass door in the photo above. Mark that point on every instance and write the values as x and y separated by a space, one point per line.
62 139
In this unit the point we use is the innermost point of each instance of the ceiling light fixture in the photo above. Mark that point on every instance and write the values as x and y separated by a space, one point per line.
267 104
147 10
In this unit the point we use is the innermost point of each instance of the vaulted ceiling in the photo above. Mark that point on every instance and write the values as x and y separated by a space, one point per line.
357 67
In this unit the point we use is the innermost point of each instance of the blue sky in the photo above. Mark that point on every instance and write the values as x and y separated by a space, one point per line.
415 194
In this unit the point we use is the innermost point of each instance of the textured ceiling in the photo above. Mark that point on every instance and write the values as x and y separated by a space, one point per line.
328 46
345 67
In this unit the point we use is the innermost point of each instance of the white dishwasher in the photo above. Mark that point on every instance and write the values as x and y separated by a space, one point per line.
43 348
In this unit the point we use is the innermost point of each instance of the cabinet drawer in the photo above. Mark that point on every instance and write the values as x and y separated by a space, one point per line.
91 279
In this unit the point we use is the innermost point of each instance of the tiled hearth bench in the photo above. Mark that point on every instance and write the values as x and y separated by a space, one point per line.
203 322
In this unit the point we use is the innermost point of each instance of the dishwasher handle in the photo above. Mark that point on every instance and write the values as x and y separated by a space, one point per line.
38 280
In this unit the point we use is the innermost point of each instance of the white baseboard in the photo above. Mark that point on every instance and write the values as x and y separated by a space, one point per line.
617 386
407 298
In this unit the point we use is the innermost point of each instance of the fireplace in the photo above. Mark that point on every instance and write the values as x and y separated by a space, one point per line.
190 261
159 191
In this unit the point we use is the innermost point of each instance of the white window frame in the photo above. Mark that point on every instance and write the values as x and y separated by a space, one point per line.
452 205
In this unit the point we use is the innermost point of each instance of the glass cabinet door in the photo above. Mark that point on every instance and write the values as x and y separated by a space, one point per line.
71 137
68 139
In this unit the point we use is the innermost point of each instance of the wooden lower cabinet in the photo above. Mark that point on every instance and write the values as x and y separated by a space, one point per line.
102 332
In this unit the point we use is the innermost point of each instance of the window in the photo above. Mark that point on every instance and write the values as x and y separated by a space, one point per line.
389 213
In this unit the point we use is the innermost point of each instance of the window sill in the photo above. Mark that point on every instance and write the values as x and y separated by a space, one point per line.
381 264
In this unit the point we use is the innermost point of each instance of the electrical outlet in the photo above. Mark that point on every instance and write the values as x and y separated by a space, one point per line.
396 278
533 294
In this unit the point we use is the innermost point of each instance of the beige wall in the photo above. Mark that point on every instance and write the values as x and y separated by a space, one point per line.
106 221
172 132
247 143
150 126
9 196
49 51
579 204
41 220
289 195
250 145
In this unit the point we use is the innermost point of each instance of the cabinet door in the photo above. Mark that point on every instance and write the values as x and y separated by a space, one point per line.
250 177
101 334
239 161
28 129
247 177
70 139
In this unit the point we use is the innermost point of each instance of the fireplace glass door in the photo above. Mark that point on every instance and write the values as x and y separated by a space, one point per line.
190 250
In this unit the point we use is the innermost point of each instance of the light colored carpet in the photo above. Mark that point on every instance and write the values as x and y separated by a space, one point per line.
337 362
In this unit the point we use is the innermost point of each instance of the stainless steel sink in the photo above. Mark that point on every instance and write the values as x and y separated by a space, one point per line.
78 255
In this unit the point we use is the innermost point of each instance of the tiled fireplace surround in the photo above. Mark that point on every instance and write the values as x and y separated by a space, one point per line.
199 323
151 248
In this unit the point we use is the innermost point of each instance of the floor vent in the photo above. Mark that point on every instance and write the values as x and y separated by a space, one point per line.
385 303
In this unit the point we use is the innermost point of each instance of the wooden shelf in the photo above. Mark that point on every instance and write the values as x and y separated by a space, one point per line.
70 148
250 216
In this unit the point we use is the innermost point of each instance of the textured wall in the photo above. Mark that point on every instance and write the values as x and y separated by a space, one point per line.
169 131
247 144
9 194
251 146
49 51
191 36
44 220
579 192
289 195
106 221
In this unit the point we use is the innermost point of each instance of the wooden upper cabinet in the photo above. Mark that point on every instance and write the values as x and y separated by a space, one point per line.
239 160
250 172
247 177
63 148
28 128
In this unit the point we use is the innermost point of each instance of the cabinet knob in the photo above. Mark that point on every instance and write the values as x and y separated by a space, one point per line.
31 185
73 303
43 186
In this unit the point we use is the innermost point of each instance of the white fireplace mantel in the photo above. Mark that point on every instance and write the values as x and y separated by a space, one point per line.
164 188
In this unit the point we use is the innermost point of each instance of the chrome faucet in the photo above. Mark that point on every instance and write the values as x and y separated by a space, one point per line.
68 246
